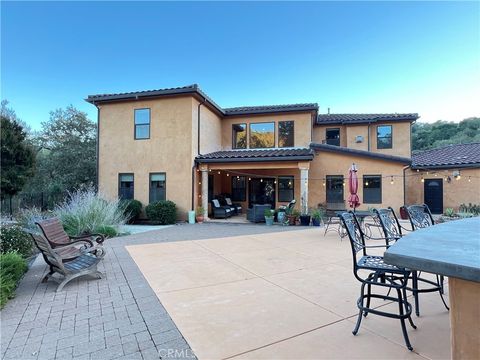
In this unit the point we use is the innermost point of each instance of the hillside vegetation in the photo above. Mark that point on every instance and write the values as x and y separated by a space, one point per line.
440 133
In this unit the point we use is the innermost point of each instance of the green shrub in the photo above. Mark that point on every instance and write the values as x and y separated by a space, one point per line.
85 212
12 268
14 238
132 209
162 212
449 212
470 208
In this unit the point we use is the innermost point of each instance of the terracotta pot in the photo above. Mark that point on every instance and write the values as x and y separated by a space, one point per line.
199 218
291 219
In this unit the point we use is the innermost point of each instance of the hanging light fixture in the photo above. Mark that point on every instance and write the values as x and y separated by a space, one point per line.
469 179
261 180
249 179
391 180
238 177
228 174
422 180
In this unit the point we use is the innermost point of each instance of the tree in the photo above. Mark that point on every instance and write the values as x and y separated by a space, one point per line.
17 155
66 159
440 133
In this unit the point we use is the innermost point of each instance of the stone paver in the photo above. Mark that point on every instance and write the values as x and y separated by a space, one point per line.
117 317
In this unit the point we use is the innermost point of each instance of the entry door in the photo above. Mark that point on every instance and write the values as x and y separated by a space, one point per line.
433 195
261 191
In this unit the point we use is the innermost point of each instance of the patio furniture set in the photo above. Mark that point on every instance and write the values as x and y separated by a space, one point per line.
374 273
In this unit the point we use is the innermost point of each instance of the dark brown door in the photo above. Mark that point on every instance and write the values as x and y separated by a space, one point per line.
433 195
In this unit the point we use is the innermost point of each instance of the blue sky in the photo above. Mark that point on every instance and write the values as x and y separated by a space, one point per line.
352 57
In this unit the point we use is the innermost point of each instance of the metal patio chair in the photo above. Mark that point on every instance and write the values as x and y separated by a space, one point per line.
420 217
373 272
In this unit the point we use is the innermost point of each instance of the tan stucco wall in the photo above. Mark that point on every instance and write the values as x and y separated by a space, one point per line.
454 193
168 149
210 129
319 134
401 139
326 163
400 132
302 127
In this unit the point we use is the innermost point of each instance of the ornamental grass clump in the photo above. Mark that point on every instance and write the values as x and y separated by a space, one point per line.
86 212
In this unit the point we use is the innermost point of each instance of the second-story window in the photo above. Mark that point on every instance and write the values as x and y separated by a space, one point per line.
262 135
384 137
142 123
332 137
286 134
239 136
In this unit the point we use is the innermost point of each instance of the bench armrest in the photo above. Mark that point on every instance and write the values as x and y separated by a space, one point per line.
98 238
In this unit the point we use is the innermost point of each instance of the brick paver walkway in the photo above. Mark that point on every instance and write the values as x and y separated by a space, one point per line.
117 317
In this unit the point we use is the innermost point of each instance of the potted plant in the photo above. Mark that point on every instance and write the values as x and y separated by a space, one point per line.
317 216
292 217
281 215
199 214
305 219
269 216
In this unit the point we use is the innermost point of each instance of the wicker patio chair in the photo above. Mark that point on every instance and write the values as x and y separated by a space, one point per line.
56 236
374 273
84 264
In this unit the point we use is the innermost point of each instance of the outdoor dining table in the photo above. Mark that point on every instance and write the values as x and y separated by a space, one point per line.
451 249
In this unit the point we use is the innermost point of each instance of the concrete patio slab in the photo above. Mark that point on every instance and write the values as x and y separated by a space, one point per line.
297 300
227 319
332 342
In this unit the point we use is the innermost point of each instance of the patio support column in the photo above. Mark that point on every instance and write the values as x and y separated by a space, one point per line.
204 171
304 188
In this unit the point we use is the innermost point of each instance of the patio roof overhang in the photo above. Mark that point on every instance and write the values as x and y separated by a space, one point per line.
256 156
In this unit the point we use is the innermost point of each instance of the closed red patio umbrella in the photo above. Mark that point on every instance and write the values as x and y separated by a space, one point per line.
353 199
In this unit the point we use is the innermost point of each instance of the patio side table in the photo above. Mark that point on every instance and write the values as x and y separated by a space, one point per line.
451 249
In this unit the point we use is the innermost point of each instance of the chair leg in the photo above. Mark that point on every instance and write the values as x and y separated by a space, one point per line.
369 292
440 290
46 277
412 324
359 318
401 305
415 292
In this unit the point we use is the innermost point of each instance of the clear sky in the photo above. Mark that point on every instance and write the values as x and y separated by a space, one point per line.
352 57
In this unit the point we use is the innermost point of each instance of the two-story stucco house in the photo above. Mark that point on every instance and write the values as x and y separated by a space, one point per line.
178 144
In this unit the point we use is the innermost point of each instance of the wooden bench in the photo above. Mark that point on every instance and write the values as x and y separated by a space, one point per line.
56 236
84 264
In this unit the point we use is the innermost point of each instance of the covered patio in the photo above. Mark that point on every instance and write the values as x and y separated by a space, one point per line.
252 177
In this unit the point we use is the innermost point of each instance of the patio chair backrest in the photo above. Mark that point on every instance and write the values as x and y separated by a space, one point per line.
50 256
355 235
228 201
53 231
389 224
420 216
216 203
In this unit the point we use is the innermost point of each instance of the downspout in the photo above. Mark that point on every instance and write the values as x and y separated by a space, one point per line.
368 140
405 185
198 152
97 146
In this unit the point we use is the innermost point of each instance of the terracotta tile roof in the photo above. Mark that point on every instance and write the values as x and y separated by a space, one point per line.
325 119
195 89
253 155
364 153
451 156
271 108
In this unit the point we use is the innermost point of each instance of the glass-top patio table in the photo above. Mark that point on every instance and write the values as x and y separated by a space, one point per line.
451 249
